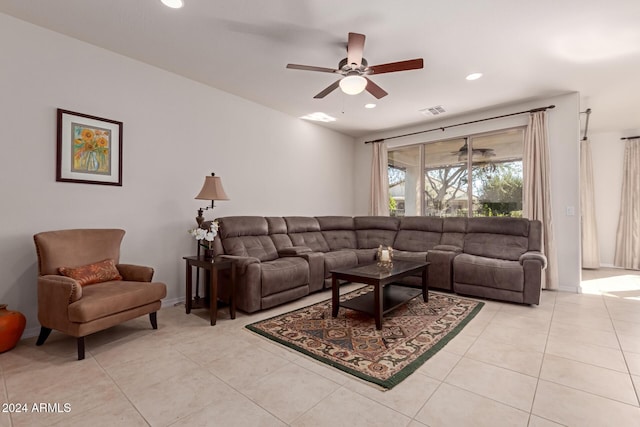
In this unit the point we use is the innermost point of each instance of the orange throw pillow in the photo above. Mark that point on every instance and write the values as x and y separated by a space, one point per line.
98 272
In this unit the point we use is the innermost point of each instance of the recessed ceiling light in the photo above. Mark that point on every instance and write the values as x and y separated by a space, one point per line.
319 117
474 76
174 4
369 105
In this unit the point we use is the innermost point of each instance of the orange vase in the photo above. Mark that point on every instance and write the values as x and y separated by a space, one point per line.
12 325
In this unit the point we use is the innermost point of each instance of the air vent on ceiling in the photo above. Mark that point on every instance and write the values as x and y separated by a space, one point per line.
433 111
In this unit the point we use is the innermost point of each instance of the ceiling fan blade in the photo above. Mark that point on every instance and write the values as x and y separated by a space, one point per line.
355 48
333 86
411 64
375 90
311 68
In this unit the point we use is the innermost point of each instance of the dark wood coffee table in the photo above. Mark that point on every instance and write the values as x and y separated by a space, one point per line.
386 294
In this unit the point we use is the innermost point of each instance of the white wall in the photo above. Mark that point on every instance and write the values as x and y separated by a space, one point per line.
176 131
563 123
608 155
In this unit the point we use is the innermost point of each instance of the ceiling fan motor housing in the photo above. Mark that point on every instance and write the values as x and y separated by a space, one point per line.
345 67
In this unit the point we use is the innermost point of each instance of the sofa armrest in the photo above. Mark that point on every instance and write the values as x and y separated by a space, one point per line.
447 248
534 256
241 262
55 289
135 273
293 251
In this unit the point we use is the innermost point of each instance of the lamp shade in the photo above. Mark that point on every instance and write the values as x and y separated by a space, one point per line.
212 189
353 85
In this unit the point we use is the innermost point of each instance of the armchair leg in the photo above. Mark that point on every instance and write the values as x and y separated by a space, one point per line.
80 348
44 334
153 317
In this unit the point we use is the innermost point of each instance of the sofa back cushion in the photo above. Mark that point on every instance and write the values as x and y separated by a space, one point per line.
305 231
74 248
338 231
278 232
418 233
535 235
247 236
453 231
373 231
502 238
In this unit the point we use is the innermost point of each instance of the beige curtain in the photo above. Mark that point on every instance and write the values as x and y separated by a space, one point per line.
379 180
628 235
537 191
589 230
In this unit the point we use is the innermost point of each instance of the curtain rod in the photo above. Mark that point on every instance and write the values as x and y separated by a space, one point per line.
631 137
442 128
586 125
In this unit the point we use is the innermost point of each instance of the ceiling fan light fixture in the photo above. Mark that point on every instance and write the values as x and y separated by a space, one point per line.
353 84
174 4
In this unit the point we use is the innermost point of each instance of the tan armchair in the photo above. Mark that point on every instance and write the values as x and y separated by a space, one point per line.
66 306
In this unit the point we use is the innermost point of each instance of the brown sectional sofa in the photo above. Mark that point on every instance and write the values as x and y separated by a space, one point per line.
280 259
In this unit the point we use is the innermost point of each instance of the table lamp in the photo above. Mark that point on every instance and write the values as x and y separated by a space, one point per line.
211 190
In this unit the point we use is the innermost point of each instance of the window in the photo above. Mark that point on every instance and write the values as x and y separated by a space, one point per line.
478 175
404 181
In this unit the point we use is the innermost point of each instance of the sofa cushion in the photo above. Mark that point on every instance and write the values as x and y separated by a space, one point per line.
373 231
338 231
283 274
305 231
488 272
495 245
410 256
278 232
339 259
421 223
336 223
260 247
453 231
235 226
301 224
340 239
98 272
416 241
510 226
107 298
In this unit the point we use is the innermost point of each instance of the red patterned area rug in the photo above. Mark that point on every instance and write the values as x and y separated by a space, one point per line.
410 334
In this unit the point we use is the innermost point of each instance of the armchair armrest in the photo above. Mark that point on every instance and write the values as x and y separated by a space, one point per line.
293 251
58 291
447 248
135 273
535 256
241 262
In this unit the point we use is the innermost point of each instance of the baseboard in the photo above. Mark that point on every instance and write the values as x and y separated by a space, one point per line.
611 266
172 302
31 332
34 332
571 289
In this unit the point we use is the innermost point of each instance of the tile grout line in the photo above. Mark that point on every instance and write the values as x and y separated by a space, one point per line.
544 352
121 390
624 357
451 370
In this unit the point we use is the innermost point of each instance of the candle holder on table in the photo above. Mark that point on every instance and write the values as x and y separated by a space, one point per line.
385 257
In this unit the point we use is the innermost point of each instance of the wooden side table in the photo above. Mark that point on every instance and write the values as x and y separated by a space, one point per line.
213 268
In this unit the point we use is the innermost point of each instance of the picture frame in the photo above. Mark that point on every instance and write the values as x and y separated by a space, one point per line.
89 149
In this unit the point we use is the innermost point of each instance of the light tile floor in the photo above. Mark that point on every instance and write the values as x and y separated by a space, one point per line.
573 360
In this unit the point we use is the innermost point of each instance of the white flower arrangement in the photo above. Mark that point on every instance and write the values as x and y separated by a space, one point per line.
202 234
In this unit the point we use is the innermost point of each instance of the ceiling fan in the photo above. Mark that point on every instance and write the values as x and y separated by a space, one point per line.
355 69
463 152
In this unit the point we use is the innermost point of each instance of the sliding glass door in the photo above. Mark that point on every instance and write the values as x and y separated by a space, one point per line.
478 175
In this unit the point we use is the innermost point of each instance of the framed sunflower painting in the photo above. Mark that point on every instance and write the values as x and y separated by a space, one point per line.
89 149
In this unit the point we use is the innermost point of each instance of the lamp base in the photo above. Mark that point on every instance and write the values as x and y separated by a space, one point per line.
200 217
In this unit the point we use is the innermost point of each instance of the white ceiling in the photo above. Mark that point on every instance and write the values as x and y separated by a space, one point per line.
526 50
